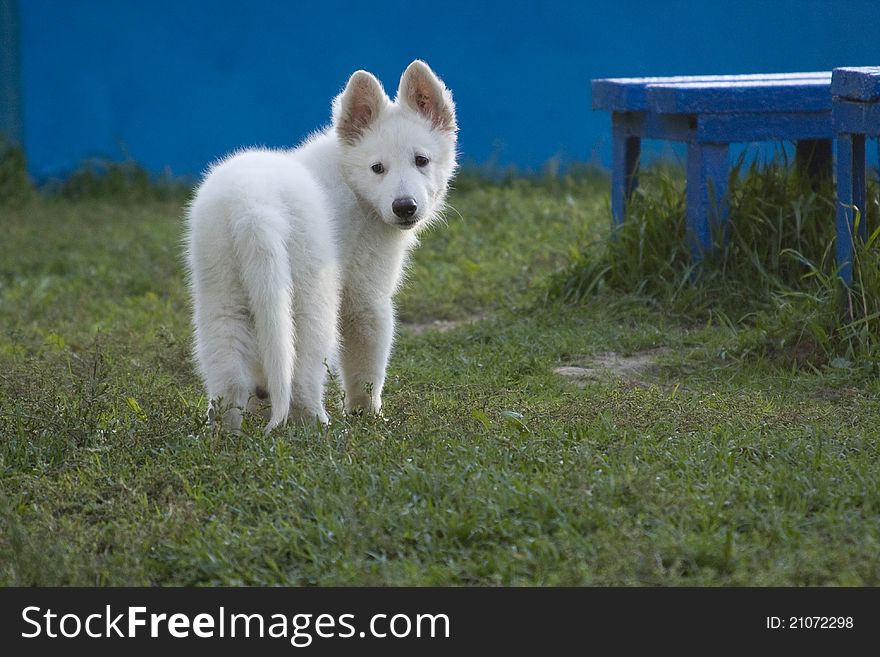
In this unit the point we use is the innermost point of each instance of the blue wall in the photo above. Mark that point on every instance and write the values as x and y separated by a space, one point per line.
174 84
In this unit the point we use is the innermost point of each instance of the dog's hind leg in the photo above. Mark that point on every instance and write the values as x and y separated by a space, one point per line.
316 328
225 346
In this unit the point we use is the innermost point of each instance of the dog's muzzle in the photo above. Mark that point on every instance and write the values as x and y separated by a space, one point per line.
405 209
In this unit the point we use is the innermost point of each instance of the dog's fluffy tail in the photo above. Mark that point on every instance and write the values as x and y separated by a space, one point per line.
260 241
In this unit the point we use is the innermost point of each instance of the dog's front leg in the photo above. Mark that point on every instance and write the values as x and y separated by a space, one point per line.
367 330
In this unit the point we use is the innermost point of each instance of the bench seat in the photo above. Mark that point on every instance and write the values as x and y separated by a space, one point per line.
708 113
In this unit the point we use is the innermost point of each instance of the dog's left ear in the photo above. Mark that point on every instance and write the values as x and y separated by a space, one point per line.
423 92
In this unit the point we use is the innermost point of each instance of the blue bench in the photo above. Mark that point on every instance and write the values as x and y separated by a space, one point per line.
709 113
856 115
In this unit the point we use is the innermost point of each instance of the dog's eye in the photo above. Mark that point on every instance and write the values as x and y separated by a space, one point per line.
421 161
378 168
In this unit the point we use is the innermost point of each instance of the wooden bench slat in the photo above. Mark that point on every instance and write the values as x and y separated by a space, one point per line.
629 94
729 128
857 83
776 126
748 77
758 96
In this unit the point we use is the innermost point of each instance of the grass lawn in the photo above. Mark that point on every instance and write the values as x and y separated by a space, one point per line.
711 463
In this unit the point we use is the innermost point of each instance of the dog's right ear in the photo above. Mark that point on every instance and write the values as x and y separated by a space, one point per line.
360 103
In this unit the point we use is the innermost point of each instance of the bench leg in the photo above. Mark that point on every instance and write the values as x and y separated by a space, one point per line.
850 192
813 157
624 167
708 168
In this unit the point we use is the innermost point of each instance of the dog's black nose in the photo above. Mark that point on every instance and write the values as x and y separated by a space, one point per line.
404 207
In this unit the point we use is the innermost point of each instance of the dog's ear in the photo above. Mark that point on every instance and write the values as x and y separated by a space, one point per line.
423 92
359 104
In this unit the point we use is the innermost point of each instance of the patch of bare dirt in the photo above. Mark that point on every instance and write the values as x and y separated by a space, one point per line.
632 368
438 325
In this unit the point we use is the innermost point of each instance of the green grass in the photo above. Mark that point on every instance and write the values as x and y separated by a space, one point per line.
724 464
774 276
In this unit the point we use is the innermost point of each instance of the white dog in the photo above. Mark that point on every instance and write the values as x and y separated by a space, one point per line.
294 256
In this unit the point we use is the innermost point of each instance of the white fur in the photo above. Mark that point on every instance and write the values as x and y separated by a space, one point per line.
294 256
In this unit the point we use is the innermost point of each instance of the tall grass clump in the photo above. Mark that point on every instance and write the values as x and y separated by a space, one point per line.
15 185
773 275
122 181
96 179
822 321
